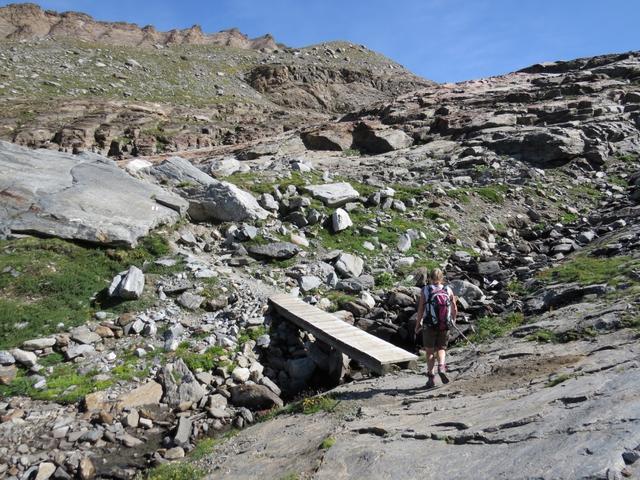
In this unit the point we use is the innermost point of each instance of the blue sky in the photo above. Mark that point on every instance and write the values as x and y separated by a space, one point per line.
444 40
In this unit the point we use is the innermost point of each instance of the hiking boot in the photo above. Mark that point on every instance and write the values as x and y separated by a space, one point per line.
430 381
442 371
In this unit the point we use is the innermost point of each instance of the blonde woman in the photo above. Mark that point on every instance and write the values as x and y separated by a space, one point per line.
436 310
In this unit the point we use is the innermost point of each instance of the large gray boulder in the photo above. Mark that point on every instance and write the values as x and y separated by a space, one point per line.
349 265
373 138
80 197
127 285
274 251
179 384
224 202
254 397
176 170
333 138
333 194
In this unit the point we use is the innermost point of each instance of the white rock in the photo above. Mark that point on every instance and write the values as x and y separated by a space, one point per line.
241 374
28 359
340 220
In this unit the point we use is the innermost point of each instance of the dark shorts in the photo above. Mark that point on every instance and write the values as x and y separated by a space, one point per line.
435 338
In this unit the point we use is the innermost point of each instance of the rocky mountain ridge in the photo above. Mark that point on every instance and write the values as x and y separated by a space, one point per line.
28 21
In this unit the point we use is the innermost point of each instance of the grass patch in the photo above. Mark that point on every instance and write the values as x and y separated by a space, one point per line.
587 270
488 328
385 280
558 380
65 385
327 443
311 405
459 194
207 361
351 152
493 193
54 282
338 299
174 471
543 336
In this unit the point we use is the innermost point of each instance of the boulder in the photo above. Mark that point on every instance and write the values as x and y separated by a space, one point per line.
340 220
333 138
333 194
225 167
190 301
81 197
148 394
24 358
39 344
224 202
349 265
466 290
183 431
274 251
176 170
179 384
309 282
127 285
6 358
375 138
79 351
254 397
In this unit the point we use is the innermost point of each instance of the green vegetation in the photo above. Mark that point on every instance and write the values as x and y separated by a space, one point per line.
385 280
493 193
264 183
563 377
516 286
338 299
174 471
567 218
46 282
459 194
351 152
547 336
66 385
587 270
311 405
252 333
488 328
327 443
543 336
206 361
290 476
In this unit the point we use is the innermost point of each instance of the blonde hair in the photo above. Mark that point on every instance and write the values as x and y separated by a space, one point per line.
436 276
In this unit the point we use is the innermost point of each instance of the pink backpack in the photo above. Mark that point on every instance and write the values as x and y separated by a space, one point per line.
437 312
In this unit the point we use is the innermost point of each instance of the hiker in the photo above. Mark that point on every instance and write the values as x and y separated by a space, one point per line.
436 310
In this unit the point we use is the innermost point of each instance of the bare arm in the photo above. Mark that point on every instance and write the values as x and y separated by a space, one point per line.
454 306
420 312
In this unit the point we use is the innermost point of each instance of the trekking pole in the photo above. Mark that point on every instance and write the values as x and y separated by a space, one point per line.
464 336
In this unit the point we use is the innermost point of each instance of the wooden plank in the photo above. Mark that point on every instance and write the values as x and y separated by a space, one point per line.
367 349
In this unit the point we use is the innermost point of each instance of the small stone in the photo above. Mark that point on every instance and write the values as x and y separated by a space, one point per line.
86 469
240 374
45 470
174 453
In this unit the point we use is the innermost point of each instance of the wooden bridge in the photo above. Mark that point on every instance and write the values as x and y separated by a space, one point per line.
372 352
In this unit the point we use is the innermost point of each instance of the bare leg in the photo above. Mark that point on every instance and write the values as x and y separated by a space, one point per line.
442 356
431 360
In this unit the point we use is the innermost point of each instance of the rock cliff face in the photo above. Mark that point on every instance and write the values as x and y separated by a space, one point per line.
28 21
